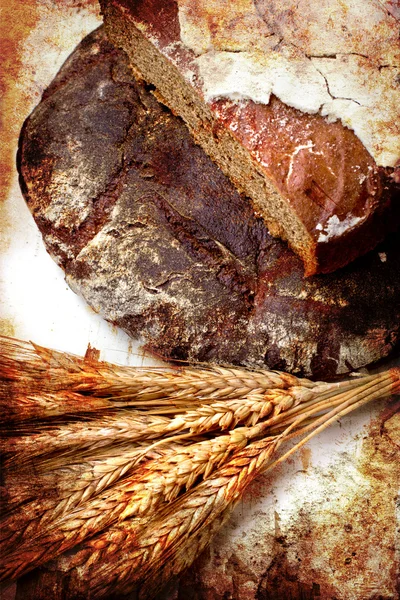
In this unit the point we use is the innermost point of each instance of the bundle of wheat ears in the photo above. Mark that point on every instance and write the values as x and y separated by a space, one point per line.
120 476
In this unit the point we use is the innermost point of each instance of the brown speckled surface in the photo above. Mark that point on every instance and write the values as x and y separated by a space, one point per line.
339 540
342 496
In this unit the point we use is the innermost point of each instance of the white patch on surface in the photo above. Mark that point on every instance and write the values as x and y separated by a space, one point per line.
323 58
309 146
281 334
255 76
335 227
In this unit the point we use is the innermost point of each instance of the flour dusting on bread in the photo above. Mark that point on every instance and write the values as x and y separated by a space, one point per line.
338 58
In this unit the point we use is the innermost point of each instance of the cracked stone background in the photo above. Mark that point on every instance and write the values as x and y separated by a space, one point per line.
344 55
326 524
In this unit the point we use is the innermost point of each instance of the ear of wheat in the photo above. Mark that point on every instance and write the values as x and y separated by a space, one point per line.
148 460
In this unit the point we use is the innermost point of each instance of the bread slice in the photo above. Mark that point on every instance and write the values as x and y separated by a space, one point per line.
312 179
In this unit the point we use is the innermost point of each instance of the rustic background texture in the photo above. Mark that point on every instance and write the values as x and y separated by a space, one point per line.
325 525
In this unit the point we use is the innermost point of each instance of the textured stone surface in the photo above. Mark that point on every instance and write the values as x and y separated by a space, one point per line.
345 67
131 209
335 539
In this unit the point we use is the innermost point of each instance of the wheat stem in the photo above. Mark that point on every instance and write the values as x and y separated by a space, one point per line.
327 419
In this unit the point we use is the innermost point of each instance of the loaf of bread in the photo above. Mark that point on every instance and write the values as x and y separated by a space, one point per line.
299 107
156 239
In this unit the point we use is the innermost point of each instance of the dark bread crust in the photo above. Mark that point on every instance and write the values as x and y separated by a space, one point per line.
295 194
155 238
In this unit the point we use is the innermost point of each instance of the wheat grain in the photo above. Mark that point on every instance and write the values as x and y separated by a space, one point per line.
155 483
58 492
99 567
249 410
74 436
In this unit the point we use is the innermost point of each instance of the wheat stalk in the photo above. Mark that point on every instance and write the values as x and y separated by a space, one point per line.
137 537
43 439
58 492
156 482
228 395
148 543
162 480
159 544
131 425
29 366
175 418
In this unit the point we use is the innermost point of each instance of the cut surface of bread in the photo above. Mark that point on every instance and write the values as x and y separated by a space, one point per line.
312 180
